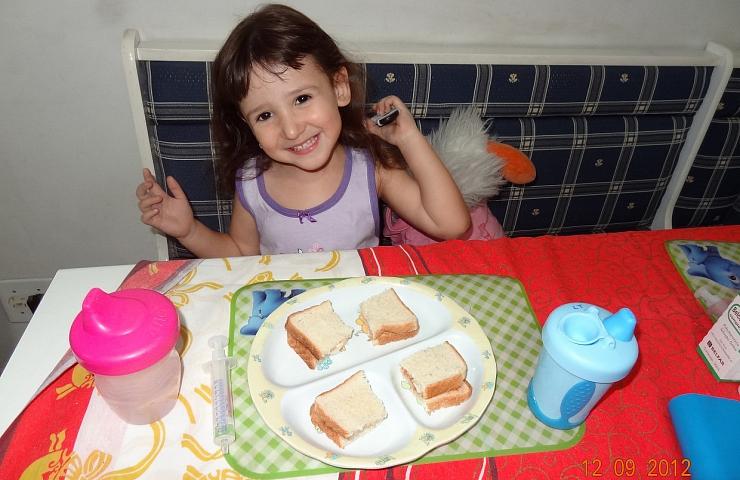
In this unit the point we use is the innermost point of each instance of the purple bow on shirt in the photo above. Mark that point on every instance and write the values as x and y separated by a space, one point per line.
307 215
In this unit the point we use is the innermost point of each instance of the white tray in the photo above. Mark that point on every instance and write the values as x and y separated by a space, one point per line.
283 387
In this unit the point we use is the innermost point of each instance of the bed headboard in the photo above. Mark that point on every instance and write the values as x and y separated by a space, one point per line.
711 192
613 133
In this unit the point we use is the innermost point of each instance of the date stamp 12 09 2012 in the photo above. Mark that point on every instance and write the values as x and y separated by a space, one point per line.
627 467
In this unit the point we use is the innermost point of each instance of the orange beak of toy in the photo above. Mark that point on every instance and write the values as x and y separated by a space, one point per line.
518 168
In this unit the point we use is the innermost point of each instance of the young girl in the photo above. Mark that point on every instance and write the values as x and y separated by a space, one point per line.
295 145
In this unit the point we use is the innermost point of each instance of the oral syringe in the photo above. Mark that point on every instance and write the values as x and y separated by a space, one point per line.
223 409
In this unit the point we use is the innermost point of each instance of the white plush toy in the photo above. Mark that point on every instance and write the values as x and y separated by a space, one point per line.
479 166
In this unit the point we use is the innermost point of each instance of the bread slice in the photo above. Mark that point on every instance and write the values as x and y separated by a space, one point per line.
449 398
434 370
385 318
317 332
348 410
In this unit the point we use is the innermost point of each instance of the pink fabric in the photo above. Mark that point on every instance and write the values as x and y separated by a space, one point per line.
485 227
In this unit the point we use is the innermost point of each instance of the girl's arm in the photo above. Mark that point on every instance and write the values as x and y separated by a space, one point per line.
429 200
172 215
242 238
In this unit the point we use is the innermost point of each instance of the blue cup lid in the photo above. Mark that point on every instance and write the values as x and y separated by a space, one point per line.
591 342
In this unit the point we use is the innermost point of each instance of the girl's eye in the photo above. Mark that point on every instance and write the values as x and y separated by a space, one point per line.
302 99
263 116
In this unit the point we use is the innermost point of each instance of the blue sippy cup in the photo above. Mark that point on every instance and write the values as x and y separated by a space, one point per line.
585 350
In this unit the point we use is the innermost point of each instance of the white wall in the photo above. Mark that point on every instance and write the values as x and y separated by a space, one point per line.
67 149
10 333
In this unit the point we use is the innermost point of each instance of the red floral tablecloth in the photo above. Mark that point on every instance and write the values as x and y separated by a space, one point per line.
629 434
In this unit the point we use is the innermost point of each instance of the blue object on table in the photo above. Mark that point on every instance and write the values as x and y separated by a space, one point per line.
264 302
585 350
708 430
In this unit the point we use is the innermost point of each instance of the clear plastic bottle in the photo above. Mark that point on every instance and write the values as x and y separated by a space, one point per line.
145 396
127 340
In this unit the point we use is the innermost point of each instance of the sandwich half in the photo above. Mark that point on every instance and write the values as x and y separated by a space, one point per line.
317 332
385 318
450 398
437 376
348 410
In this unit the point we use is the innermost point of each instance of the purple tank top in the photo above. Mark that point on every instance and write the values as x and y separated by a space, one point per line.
349 219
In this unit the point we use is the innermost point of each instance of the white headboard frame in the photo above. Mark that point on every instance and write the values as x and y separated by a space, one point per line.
699 126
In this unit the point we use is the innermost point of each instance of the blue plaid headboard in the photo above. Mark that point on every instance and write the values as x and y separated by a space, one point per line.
711 194
604 139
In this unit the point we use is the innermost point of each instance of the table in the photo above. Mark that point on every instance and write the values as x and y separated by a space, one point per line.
43 343
611 270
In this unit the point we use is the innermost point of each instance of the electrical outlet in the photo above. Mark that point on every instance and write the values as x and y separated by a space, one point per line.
14 295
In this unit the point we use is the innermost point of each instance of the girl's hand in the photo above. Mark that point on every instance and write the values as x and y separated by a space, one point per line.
398 132
170 214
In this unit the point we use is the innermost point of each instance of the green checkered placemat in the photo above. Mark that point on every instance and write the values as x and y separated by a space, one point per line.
508 426
730 251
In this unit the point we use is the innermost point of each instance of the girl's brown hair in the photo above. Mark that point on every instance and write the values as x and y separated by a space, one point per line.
277 35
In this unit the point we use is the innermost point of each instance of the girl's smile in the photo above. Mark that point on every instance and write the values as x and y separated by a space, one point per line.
306 147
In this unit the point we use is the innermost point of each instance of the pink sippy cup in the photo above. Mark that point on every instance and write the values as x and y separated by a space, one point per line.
127 340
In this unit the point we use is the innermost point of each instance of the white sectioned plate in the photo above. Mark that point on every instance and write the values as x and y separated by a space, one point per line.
283 387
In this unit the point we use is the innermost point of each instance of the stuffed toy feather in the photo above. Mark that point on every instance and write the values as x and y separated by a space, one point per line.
461 142
479 166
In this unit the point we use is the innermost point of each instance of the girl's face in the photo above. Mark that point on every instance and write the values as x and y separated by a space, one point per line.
295 116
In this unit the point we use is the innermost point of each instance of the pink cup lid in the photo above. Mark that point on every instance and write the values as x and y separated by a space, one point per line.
123 332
